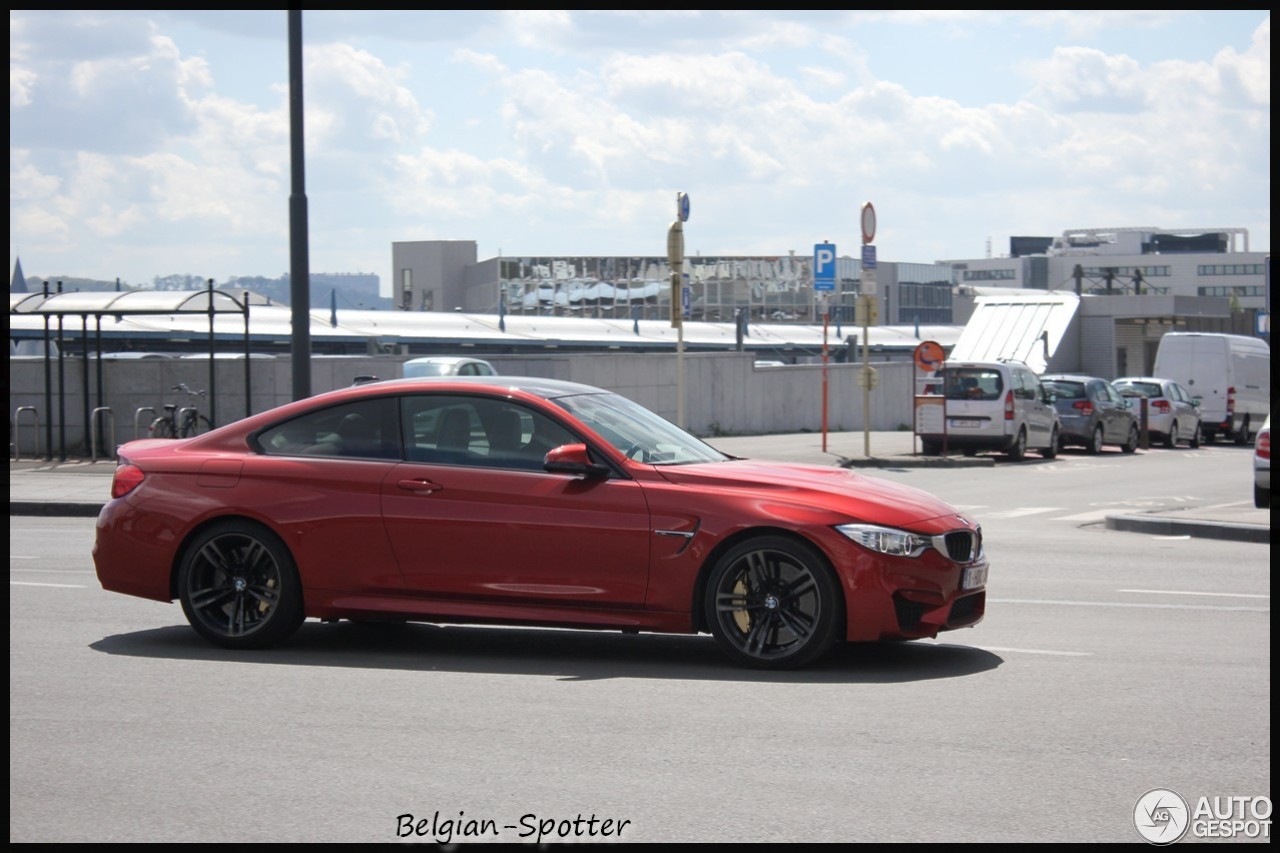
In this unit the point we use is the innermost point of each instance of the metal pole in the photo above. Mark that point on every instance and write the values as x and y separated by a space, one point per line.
300 272
48 386
213 373
866 376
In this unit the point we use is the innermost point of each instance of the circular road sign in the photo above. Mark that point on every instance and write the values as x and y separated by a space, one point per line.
682 206
929 356
868 222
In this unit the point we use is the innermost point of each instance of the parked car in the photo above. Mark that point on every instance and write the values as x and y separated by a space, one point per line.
442 365
1231 374
1091 413
1173 415
1262 466
993 405
526 501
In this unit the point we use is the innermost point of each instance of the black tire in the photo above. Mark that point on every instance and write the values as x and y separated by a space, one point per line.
1196 438
773 603
161 428
1131 443
1051 452
1171 440
1095 440
1018 451
1261 497
239 586
930 448
1241 435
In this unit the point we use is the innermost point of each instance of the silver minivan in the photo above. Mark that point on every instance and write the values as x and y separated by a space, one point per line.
992 406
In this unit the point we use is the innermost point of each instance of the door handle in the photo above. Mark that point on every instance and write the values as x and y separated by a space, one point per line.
422 487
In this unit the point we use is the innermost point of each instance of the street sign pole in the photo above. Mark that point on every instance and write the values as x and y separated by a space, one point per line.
675 259
866 306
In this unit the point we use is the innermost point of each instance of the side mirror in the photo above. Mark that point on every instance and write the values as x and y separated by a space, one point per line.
1196 401
573 459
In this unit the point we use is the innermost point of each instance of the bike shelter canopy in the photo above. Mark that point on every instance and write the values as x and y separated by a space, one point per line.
56 306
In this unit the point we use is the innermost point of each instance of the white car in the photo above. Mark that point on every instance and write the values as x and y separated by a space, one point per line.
442 365
1262 467
993 405
1173 415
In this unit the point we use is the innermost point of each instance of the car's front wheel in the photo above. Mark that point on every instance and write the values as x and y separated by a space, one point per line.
1131 443
1171 440
1051 452
239 587
773 603
1196 437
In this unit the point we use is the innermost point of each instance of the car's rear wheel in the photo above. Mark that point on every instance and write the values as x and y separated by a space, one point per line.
773 603
1131 443
1095 440
1241 435
1261 497
1018 451
239 587
1171 438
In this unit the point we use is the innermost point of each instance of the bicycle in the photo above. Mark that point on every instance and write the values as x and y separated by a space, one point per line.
192 422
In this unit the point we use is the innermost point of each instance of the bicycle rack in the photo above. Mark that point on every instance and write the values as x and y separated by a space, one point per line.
138 414
181 418
96 418
17 429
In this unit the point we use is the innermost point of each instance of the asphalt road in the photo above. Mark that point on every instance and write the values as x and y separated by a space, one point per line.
1110 663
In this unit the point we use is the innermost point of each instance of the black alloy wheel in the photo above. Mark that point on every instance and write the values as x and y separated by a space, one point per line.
773 603
239 586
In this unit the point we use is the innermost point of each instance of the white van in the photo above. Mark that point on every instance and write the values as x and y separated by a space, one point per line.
1230 374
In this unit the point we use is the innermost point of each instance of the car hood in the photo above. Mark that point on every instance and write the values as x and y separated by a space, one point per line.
837 490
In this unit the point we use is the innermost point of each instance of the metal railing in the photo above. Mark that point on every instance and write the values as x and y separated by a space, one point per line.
17 429
137 415
96 419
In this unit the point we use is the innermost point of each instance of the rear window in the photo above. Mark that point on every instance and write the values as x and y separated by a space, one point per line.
968 383
1065 390
1144 389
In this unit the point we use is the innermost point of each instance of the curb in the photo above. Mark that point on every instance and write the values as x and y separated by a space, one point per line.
919 462
1188 527
51 509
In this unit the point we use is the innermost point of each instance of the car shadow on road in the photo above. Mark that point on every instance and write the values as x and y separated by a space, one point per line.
571 655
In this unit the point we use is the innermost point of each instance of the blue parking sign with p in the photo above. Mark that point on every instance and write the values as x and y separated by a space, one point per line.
824 266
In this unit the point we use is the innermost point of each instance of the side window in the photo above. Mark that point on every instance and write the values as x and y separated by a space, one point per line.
1026 385
458 430
366 429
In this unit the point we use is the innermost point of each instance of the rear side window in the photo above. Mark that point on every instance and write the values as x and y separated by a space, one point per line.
365 429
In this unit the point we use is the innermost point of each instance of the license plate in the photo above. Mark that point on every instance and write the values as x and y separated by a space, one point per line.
974 577
966 423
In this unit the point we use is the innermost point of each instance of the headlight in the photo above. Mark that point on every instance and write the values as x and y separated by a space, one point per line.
886 540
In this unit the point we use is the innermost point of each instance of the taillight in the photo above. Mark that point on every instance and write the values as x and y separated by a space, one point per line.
1231 400
1263 447
1008 405
1161 406
127 478
1084 407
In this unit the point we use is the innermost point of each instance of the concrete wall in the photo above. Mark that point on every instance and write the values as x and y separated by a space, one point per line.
725 394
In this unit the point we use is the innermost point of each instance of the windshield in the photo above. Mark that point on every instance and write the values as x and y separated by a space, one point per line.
638 432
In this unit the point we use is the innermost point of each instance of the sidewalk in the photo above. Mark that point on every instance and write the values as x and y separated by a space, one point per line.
77 488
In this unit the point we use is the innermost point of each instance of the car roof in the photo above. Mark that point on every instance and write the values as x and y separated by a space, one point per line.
537 385
1073 377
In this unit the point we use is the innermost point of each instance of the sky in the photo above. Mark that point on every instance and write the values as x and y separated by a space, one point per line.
152 143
